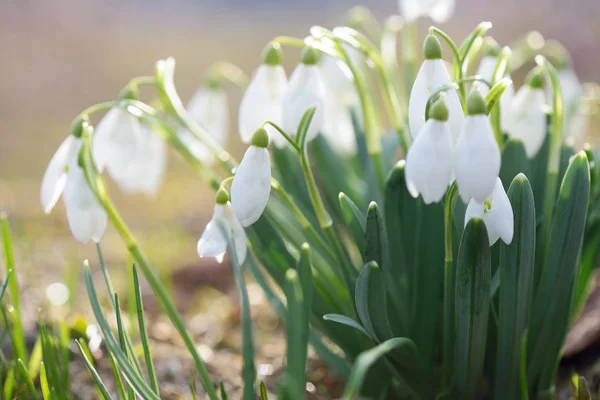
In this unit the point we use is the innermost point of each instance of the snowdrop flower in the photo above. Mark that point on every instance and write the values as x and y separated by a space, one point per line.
528 114
572 91
432 75
87 219
209 108
341 98
263 100
251 184
477 153
439 10
151 162
497 214
430 160
305 90
213 243
116 143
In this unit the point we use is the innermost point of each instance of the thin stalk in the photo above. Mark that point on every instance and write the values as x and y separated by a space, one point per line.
448 304
289 41
287 137
96 184
230 72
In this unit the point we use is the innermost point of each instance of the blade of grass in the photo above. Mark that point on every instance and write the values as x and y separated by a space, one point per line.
99 383
5 284
46 393
25 375
122 342
144 332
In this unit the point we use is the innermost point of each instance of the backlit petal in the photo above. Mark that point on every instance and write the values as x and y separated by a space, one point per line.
209 108
55 176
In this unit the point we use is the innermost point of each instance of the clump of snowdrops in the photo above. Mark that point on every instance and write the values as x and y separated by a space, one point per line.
444 257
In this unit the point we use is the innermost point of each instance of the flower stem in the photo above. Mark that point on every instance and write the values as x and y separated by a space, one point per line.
289 41
96 184
448 298
230 72
287 137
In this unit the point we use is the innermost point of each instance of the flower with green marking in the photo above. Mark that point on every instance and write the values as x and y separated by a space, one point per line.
432 76
477 153
213 242
496 212
430 160
87 219
341 99
305 90
263 99
251 184
209 108
528 114
438 10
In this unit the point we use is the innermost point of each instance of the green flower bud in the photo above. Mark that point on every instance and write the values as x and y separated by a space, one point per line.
438 110
212 82
260 138
222 196
432 48
78 124
476 103
492 48
310 56
129 93
535 78
272 55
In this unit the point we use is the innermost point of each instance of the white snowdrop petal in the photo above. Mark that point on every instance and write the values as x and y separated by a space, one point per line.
251 185
305 90
213 243
442 10
115 141
486 69
477 159
430 162
263 101
506 104
87 219
500 216
238 233
152 163
411 10
55 177
571 88
209 108
433 75
528 119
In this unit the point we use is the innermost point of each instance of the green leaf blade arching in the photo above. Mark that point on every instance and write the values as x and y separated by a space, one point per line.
553 299
297 337
472 297
371 302
514 161
516 276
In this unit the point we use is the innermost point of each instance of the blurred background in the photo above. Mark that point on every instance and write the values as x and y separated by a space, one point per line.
61 56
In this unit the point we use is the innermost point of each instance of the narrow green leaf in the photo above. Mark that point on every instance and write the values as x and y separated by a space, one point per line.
248 369
144 332
368 358
303 127
354 218
263 391
538 177
99 383
553 299
514 161
116 374
25 376
472 298
46 393
342 319
222 391
135 380
122 340
305 276
516 274
523 368
297 336
371 302
4 284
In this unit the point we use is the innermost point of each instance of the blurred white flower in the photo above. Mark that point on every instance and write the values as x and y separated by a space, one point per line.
439 10
263 101
433 75
251 184
497 214
477 153
430 160
528 118
341 99
213 243
151 161
86 216
575 119
305 90
209 108
486 70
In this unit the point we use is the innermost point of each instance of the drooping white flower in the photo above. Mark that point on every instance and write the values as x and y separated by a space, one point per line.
477 154
575 119
430 160
213 242
433 75
151 162
116 143
439 10
341 99
305 90
263 99
87 219
251 184
528 116
497 214
209 108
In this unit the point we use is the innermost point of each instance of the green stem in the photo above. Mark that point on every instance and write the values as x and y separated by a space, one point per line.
282 132
448 303
230 72
96 184
289 41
